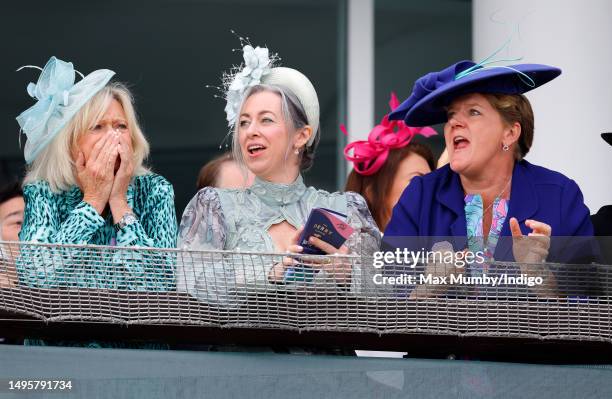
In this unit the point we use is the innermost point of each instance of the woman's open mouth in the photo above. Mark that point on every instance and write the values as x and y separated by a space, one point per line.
460 142
255 149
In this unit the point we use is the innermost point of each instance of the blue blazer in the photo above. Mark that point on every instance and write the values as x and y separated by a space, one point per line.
433 205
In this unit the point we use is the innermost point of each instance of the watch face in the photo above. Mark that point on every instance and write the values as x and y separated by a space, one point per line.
128 219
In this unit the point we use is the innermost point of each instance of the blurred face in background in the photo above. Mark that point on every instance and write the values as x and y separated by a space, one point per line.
411 166
230 176
383 189
11 218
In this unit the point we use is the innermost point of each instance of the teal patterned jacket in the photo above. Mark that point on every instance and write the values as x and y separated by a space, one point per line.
64 218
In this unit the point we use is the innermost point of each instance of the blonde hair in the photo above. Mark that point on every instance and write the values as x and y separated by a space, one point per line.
55 165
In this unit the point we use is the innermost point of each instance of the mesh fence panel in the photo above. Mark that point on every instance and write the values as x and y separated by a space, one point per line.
327 293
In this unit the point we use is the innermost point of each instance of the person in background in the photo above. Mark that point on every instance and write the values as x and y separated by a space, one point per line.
11 218
224 172
602 221
443 159
386 163
86 183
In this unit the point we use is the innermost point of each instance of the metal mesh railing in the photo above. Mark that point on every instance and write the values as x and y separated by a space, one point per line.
327 293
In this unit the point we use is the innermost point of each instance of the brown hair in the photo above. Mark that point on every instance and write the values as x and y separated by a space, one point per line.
375 188
515 108
210 172
9 191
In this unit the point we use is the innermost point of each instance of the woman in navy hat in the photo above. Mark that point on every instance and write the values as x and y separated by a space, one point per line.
488 190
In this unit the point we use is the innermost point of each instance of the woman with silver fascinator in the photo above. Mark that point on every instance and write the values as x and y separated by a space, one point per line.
274 116
86 184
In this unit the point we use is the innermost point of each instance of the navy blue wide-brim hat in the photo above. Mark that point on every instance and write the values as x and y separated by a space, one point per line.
434 91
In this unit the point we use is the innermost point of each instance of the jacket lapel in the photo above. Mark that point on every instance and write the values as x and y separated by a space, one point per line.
523 205
451 196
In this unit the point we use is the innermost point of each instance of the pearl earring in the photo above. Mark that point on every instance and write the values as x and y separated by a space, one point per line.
297 151
505 147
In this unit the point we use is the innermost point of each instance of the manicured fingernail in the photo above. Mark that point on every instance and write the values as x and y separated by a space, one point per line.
299 248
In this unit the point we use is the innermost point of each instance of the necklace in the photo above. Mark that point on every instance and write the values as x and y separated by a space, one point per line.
498 196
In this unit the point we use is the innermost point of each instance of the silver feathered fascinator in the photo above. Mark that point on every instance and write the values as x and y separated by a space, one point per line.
260 66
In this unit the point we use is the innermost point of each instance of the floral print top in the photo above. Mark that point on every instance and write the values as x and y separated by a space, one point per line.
474 218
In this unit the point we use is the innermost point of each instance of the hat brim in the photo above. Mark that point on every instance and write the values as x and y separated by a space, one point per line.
607 137
430 110
81 92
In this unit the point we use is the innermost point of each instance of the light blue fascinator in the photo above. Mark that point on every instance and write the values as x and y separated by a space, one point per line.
58 100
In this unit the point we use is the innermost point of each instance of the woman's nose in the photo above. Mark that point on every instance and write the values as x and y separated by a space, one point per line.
252 129
455 121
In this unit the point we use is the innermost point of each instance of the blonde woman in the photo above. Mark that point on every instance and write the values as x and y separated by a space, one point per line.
86 183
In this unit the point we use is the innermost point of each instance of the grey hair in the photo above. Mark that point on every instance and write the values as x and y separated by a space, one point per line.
294 116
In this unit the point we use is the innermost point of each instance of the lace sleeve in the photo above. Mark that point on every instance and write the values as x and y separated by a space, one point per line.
366 237
203 223
203 227
364 241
